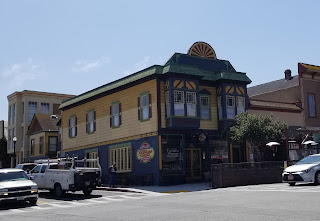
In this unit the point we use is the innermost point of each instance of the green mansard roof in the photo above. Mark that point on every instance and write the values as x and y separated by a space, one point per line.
206 68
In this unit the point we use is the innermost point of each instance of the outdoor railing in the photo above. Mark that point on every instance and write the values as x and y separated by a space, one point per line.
237 174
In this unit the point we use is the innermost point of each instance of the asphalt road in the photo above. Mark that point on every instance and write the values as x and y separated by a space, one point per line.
250 203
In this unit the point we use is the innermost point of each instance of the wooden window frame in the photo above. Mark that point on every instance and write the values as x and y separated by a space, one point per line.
88 131
148 106
315 105
228 106
32 147
208 106
41 145
113 115
177 101
71 127
117 155
193 102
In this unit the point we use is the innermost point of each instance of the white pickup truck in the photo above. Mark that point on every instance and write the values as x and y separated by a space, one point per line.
61 175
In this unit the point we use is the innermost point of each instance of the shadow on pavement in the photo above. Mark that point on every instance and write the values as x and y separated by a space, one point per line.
68 196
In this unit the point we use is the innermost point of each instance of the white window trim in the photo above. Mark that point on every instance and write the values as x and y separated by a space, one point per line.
208 106
122 156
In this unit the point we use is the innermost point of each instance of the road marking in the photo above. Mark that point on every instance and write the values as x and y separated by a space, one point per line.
112 199
59 206
95 201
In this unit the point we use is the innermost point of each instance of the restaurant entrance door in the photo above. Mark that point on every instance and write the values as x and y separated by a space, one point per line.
193 164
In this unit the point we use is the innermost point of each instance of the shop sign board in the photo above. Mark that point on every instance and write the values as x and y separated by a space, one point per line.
145 153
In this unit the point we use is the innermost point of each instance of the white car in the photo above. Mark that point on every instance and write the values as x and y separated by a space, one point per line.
306 170
15 185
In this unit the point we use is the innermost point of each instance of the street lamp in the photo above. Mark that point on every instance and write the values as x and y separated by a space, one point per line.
14 150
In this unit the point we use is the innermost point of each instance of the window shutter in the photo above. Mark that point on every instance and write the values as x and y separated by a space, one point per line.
120 113
76 126
111 116
69 127
94 121
138 108
150 108
86 123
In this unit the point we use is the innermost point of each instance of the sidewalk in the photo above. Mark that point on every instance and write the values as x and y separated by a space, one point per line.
162 189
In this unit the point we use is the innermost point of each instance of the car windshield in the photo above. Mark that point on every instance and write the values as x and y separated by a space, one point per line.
13 176
310 160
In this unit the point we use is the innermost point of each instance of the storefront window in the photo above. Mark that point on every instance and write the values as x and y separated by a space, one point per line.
172 158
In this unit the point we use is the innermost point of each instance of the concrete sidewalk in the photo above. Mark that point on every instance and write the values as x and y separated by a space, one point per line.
162 189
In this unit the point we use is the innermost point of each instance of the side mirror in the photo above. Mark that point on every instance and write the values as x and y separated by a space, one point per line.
28 171
31 177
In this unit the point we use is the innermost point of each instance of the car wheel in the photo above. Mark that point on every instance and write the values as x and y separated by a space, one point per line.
58 190
292 184
33 201
87 192
317 178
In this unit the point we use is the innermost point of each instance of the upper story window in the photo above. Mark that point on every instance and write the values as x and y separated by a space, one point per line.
45 108
41 145
32 109
312 105
144 106
205 107
53 144
32 147
59 133
115 114
191 104
91 121
73 126
22 117
230 106
10 115
13 113
240 105
178 103
168 108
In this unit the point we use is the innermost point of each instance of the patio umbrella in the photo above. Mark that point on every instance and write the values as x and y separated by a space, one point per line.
270 144
310 142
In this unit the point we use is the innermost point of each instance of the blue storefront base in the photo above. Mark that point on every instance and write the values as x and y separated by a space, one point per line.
144 170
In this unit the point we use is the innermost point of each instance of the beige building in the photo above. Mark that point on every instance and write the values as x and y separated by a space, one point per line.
294 100
21 108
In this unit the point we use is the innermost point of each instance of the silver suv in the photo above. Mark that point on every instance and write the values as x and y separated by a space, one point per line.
16 186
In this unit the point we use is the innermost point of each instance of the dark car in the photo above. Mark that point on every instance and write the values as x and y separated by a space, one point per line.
26 166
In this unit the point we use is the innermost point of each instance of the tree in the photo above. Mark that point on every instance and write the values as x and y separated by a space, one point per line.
257 131
4 156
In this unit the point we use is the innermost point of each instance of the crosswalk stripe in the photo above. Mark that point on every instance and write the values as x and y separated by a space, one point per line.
95 201
111 199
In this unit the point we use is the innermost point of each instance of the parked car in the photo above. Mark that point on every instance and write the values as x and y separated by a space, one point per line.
15 186
26 166
306 170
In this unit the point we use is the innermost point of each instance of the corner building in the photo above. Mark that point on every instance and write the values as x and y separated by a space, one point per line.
162 125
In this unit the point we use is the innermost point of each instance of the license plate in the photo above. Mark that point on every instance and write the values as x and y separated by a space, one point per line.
290 177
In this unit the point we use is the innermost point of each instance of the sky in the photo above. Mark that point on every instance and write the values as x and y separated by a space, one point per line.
74 46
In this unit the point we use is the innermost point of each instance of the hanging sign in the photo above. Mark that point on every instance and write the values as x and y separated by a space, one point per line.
145 153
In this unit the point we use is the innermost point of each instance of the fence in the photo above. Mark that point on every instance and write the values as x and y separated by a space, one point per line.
239 174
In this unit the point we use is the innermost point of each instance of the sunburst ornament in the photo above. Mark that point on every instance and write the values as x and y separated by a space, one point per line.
202 49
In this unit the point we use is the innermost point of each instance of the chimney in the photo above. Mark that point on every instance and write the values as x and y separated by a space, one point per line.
287 74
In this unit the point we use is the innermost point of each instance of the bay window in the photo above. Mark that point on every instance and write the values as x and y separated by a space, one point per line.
178 103
191 104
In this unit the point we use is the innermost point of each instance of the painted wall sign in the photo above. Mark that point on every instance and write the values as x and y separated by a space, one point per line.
145 153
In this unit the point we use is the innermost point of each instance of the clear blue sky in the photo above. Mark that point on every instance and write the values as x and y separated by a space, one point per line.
74 46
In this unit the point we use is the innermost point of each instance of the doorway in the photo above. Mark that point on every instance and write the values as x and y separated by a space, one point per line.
193 164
